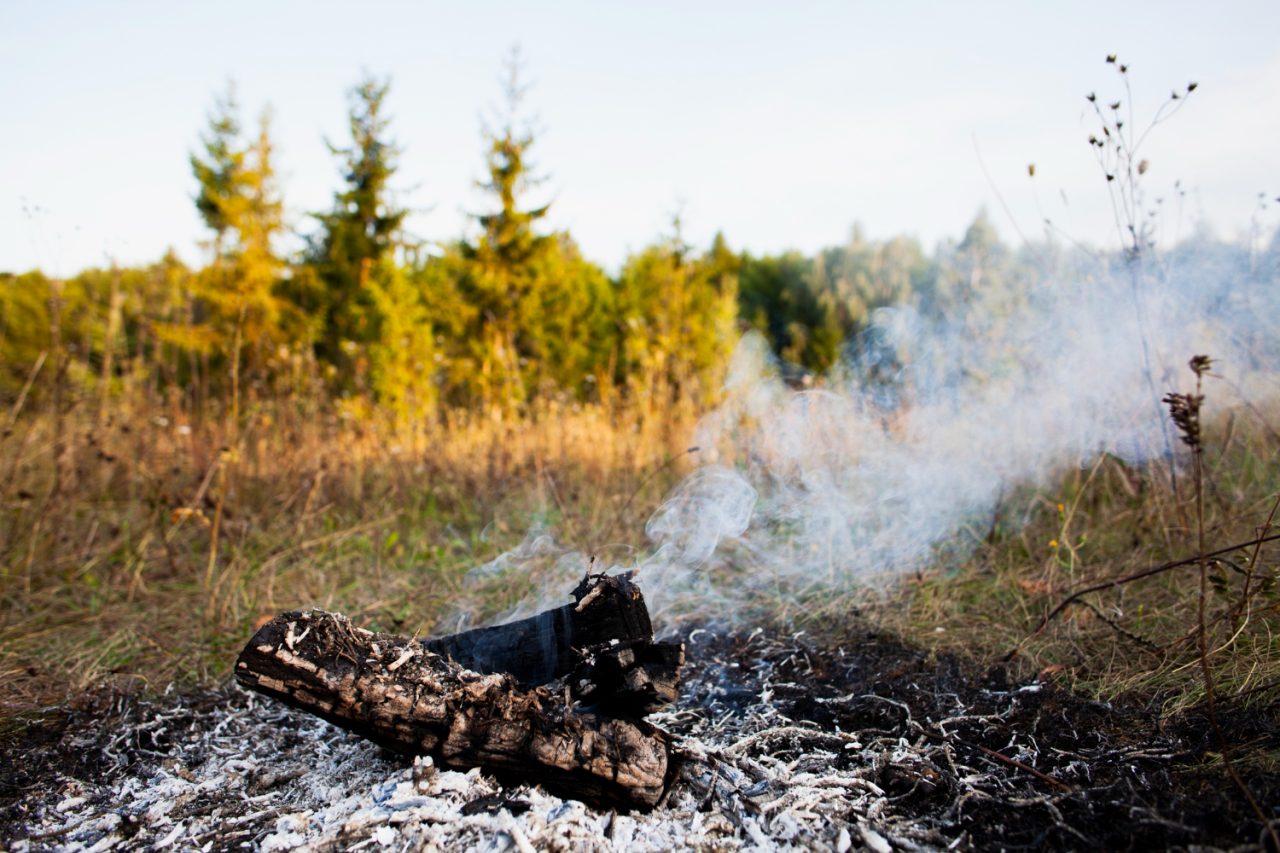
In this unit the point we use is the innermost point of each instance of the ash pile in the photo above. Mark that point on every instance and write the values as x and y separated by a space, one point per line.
854 741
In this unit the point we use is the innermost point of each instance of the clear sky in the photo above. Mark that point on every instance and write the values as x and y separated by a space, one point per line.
781 124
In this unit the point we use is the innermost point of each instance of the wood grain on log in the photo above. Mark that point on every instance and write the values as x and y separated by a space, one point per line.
402 695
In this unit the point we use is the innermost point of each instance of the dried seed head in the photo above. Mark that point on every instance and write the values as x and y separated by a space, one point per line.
1184 411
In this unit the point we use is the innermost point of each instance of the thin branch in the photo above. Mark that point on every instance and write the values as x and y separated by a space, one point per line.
1145 573
1013 762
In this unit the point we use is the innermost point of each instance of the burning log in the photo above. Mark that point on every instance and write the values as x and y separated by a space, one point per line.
567 715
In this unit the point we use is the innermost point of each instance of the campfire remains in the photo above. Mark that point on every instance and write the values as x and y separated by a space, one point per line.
555 699
844 740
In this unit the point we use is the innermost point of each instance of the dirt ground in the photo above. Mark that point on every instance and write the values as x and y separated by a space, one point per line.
857 741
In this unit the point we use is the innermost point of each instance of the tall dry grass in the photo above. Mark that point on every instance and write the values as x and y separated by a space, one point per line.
140 541
1100 525
142 544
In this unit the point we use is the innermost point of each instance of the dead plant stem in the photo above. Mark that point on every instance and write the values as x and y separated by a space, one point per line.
1202 635
26 389
1136 576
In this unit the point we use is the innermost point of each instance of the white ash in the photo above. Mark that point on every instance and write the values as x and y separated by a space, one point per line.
234 770
247 773
269 778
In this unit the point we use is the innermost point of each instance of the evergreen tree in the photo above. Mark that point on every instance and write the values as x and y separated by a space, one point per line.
501 280
218 170
677 316
540 315
239 201
974 275
567 329
402 364
362 229
786 297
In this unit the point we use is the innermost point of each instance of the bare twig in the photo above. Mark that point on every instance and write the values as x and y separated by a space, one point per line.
1184 410
1253 561
26 388
1013 762
1136 576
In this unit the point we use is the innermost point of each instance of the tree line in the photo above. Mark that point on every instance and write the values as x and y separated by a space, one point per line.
510 314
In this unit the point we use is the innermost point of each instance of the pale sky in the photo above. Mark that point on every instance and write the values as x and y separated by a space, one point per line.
781 124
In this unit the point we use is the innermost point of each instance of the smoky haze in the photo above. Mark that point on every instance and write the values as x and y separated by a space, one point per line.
901 458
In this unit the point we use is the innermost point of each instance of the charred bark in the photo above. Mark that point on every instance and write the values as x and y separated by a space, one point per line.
542 648
581 735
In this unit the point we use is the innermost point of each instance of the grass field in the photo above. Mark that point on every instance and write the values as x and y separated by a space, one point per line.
143 547
140 547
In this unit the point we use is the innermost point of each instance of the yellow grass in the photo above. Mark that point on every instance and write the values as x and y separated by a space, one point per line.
142 547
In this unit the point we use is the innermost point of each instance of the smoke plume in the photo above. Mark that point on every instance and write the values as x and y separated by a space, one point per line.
900 459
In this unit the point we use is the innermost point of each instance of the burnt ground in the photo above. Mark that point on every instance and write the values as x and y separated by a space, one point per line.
859 741
1001 765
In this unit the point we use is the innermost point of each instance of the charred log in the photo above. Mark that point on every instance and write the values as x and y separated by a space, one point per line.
545 647
628 679
580 736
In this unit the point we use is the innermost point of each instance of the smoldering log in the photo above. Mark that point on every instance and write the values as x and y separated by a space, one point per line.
605 609
581 735
601 643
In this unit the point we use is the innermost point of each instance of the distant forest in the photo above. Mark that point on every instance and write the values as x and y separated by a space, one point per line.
382 322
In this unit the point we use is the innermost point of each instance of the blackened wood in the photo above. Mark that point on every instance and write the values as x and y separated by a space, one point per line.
409 699
629 679
544 647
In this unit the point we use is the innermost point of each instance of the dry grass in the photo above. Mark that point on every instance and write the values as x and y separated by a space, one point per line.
1137 638
143 547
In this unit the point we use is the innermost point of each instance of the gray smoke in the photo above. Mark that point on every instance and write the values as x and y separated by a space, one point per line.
900 458
905 454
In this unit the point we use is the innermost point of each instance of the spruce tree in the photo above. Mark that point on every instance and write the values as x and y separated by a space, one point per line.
238 313
361 231
677 313
218 169
501 280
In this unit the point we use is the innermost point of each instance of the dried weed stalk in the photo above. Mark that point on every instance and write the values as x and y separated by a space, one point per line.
1184 411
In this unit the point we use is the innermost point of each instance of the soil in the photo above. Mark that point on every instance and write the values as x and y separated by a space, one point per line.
855 740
